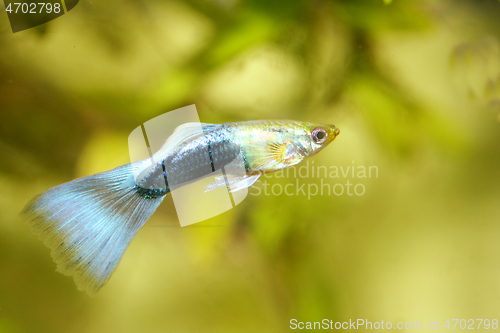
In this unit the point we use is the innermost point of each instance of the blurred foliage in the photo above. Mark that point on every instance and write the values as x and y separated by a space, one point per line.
414 87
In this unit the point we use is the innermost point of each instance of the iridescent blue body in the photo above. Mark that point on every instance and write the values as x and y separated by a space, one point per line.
190 161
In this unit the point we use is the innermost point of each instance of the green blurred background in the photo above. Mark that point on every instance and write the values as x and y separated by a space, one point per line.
414 87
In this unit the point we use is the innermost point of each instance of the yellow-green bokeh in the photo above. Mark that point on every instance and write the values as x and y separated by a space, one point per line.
414 87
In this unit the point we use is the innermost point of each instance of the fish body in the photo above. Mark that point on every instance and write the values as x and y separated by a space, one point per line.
263 146
89 222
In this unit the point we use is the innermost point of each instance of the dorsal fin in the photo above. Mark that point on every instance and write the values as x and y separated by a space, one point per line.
182 134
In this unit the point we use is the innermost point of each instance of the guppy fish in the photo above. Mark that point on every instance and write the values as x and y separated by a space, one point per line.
89 222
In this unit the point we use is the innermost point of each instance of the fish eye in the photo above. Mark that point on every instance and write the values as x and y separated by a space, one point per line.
319 135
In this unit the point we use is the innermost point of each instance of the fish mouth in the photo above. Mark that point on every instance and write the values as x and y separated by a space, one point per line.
333 132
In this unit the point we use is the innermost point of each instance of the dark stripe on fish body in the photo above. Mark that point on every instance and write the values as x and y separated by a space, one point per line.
211 159
153 193
164 173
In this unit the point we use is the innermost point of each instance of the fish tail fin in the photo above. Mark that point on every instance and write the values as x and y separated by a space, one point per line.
89 222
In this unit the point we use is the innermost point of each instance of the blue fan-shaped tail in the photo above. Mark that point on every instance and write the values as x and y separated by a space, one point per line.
89 222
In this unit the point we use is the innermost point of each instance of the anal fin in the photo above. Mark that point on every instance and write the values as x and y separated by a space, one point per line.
235 183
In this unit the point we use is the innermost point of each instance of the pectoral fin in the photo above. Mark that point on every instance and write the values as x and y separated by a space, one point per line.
273 155
266 156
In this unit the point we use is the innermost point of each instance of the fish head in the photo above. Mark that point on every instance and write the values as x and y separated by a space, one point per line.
312 138
273 145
